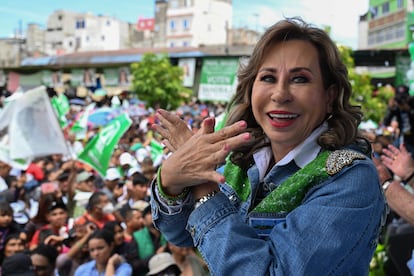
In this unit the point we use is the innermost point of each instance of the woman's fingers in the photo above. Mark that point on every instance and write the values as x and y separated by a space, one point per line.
172 129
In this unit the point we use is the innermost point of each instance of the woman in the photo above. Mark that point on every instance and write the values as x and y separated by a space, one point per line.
298 194
104 262
115 227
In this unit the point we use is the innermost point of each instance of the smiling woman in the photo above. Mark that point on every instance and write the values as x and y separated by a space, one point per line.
295 167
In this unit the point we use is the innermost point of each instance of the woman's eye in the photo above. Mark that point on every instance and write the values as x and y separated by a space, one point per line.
268 78
300 79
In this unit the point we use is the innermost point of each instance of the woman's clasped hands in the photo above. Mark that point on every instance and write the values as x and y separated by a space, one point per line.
195 156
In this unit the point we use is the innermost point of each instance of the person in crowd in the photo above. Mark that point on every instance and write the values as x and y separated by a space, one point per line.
137 190
40 219
146 242
19 264
104 261
163 264
78 254
134 220
4 175
12 245
187 260
298 187
56 230
396 171
44 260
120 245
7 224
400 108
84 188
113 184
98 211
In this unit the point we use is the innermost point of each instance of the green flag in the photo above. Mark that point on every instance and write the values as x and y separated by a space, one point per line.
80 126
98 151
61 106
157 149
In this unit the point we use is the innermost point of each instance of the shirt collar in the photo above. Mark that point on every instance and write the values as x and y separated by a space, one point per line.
303 154
307 150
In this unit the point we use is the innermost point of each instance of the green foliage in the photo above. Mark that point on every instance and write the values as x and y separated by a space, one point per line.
373 103
158 83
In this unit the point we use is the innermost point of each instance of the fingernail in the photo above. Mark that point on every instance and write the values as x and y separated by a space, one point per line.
242 123
246 136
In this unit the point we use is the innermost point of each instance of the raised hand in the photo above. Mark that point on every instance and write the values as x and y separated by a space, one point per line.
196 160
398 160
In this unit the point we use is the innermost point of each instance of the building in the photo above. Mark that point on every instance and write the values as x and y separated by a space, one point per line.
192 23
388 27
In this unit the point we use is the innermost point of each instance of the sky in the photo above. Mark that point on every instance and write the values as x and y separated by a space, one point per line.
341 16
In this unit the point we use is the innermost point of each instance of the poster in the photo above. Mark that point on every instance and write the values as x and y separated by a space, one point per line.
188 65
218 79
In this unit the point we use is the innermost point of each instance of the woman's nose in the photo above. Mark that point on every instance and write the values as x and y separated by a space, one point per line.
281 93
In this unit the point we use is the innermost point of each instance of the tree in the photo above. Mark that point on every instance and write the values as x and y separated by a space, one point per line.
158 83
373 103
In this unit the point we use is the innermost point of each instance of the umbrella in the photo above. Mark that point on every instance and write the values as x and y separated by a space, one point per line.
135 110
101 116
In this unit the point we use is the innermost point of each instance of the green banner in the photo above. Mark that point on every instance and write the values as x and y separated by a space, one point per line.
98 151
218 79
61 106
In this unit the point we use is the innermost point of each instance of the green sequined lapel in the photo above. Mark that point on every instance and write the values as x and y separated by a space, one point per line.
290 193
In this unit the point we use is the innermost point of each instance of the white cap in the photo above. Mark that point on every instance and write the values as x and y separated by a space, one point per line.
112 174
159 262
133 170
126 159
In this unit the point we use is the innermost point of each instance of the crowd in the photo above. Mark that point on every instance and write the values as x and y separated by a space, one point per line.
60 217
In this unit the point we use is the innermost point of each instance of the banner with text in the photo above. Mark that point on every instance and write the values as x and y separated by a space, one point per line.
218 79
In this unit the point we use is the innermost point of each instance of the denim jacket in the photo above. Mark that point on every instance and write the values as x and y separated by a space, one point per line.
333 232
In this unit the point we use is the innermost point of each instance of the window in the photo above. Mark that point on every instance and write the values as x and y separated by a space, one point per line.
186 24
103 38
108 23
400 4
80 24
172 25
385 8
185 44
60 17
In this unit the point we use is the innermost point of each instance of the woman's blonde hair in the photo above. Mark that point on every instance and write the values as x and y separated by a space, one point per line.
345 118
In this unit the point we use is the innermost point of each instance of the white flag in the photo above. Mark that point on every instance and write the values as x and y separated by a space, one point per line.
33 128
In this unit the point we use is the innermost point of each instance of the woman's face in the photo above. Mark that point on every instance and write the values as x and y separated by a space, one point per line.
288 97
118 235
13 246
99 250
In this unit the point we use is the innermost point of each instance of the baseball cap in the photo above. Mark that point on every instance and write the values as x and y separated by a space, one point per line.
126 159
112 174
83 176
159 262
